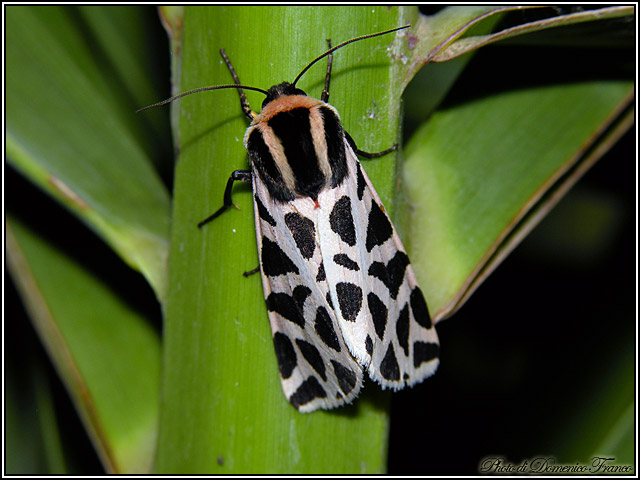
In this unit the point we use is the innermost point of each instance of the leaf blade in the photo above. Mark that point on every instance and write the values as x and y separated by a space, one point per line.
70 131
105 353
463 177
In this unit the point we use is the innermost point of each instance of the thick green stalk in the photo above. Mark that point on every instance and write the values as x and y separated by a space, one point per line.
223 407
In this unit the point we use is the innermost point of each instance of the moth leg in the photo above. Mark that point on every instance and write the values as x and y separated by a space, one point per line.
376 154
244 103
367 154
238 175
325 93
251 272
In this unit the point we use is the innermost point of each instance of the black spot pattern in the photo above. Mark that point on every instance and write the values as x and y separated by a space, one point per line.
343 260
274 261
391 274
263 213
361 183
389 367
405 376
300 294
368 344
379 313
379 229
424 352
312 355
341 221
285 354
322 276
307 391
346 378
419 308
402 329
284 305
349 300
304 233
324 329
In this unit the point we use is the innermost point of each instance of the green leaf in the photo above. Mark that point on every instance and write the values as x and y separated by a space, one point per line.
106 353
71 127
475 170
223 406
431 34
448 35
454 47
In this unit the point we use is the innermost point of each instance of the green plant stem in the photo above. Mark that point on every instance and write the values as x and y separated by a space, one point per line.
223 406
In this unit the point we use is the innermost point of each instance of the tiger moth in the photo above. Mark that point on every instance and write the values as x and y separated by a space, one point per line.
341 295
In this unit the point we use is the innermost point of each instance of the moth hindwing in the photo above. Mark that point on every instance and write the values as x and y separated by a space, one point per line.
340 292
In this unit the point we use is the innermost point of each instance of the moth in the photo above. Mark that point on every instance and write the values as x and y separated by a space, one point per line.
340 292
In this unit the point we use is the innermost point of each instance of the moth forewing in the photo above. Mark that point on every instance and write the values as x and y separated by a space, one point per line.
412 340
382 313
316 369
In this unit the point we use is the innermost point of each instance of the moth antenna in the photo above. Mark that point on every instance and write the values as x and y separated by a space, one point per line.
331 50
197 90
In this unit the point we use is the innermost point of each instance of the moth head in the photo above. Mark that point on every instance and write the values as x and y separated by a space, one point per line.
281 90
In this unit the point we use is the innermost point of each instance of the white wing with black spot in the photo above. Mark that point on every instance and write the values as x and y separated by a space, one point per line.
381 310
316 368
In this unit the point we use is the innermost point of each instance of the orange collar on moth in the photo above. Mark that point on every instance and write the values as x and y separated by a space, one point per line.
284 104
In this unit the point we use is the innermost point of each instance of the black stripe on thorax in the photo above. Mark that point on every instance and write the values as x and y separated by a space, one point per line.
293 129
265 165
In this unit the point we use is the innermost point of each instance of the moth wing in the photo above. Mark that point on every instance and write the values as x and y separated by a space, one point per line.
316 368
381 310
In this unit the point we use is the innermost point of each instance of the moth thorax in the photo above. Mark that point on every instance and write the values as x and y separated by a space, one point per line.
297 146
